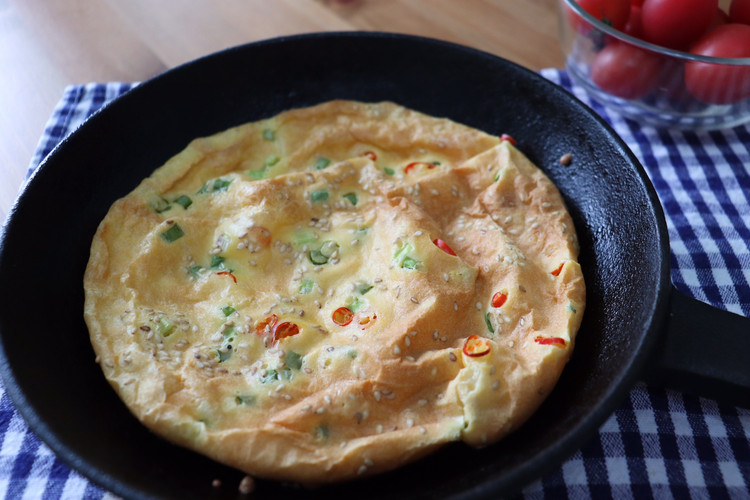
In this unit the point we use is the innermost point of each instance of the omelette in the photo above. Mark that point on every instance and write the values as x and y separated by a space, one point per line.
336 291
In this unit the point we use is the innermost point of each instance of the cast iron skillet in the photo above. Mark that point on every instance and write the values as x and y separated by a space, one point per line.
47 362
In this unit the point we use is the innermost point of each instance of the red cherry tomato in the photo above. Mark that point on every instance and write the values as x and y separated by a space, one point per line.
499 299
720 18
676 23
716 83
739 12
612 12
634 26
626 71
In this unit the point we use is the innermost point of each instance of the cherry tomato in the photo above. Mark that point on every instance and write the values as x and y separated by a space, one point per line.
626 71
720 17
634 26
715 83
739 12
612 12
676 23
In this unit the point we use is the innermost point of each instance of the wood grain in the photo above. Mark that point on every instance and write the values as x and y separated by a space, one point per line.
46 45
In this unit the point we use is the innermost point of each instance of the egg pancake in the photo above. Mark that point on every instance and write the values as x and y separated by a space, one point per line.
336 291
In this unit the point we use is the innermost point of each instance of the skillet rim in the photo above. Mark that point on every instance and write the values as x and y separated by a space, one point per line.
518 476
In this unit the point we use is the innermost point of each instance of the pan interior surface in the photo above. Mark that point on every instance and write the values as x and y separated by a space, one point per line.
51 374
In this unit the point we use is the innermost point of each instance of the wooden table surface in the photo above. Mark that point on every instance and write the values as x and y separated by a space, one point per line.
46 45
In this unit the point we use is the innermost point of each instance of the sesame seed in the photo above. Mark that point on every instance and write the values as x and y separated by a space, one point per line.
396 350
511 343
495 385
320 410
452 356
327 399
368 462
435 335
446 277
379 428
455 305
407 341
423 430
444 338
376 394
410 422
418 233
415 300
362 469
479 306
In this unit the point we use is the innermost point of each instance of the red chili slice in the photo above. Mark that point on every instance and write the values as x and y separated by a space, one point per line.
266 325
342 316
227 273
371 155
284 330
556 341
506 137
415 164
443 246
476 346
499 299
557 271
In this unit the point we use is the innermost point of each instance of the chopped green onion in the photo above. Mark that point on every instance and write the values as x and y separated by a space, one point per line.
221 184
269 135
229 333
160 205
318 196
270 376
271 160
244 400
195 272
571 308
223 355
389 171
321 163
436 163
489 323
356 305
352 353
409 263
306 287
228 310
217 262
352 197
322 432
329 247
257 175
317 258
304 237
364 288
164 326
293 360
285 373
183 200
172 234
203 189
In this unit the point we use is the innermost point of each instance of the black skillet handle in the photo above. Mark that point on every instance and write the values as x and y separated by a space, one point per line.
706 352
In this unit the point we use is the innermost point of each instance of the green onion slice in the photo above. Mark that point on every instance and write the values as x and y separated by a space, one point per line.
352 197
321 163
172 234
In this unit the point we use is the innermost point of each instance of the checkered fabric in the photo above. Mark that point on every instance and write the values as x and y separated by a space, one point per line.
659 443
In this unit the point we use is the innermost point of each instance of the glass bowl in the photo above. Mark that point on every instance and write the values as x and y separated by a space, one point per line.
654 91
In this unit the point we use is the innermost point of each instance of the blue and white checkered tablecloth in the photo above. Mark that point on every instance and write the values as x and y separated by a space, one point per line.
659 443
